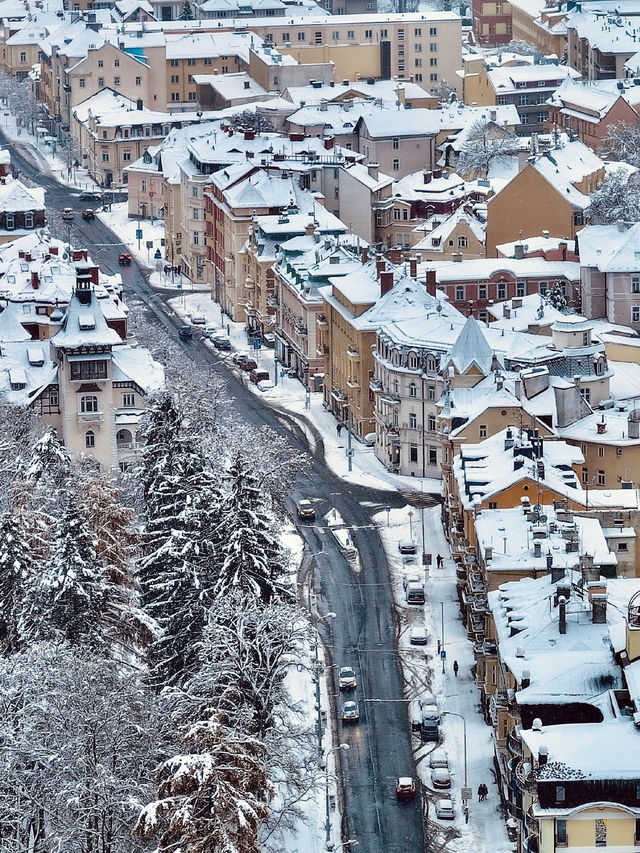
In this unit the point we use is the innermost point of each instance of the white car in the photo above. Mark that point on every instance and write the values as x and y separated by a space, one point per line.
198 319
418 636
440 777
411 577
265 385
407 546
445 810
347 678
439 758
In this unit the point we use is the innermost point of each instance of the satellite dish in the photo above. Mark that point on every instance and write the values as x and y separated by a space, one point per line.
543 519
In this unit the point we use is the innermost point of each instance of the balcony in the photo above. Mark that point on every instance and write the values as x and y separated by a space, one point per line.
273 301
353 382
90 417
249 283
375 385
321 321
389 399
514 744
353 353
338 396
322 349
524 778
302 331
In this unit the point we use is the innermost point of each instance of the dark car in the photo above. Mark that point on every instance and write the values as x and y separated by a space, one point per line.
125 259
257 375
88 214
248 364
305 509
405 788
185 331
89 195
220 341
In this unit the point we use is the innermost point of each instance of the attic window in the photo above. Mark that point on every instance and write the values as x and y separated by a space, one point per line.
36 356
18 379
86 321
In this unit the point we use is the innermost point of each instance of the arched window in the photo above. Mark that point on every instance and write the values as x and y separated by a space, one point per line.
90 438
463 242
123 438
413 391
89 404
413 360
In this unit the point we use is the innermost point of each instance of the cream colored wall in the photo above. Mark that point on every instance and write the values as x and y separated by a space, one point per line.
620 350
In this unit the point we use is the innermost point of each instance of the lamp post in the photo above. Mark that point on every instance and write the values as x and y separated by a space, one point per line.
343 844
464 740
443 653
316 667
327 823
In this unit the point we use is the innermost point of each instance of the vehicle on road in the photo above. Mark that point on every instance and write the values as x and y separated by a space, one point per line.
90 195
185 332
89 214
418 636
125 259
305 509
265 385
439 758
350 713
414 593
407 546
347 678
405 788
198 319
257 375
445 810
440 778
239 357
67 213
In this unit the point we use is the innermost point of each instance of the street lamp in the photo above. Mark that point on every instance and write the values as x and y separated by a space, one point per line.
327 823
316 667
464 739
343 844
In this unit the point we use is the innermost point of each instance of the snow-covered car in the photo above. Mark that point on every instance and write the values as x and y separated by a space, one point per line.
305 509
347 678
220 341
265 385
369 439
198 319
350 713
439 758
418 636
445 810
89 215
89 195
407 546
440 778
239 357
405 788
411 577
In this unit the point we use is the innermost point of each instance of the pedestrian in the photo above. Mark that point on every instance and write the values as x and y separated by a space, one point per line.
480 789
339 429
455 668
482 792
466 814
439 561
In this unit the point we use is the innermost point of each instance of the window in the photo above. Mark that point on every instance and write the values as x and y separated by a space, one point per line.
173 63
433 31
433 62
28 220
191 61
126 156
23 56
543 286
175 96
175 78
208 60
395 165
431 392
561 833
400 35
521 288
86 370
413 420
89 404
301 36
460 292
502 291
192 96
635 314
368 34
105 156
413 391
413 453
418 63
418 78
585 476
431 423
433 456
196 238
128 400
401 65
433 78
318 38
286 37
81 82
585 393
601 452
53 397
602 478
138 81
635 284
501 100
90 438
623 546
335 35
463 242
116 63
560 794
401 50
100 64
600 832
395 143
351 34
637 833
195 213
116 81
482 291
482 430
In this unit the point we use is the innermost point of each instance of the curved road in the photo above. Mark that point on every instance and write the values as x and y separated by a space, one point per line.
363 634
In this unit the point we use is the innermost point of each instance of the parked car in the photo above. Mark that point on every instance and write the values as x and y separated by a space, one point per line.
67 213
439 758
220 341
426 698
265 385
125 259
411 577
257 375
414 593
407 546
269 340
370 439
350 713
305 509
239 357
185 331
445 810
347 678
405 788
248 364
418 636
440 778
89 214
198 319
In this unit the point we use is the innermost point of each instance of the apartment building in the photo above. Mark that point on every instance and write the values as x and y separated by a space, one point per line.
492 21
600 40
610 272
108 67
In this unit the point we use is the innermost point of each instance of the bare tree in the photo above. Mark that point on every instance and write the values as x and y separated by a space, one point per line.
617 200
485 142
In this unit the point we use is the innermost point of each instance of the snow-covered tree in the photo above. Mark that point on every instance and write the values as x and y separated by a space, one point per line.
213 797
251 559
518 46
617 200
80 738
16 576
49 460
485 142
187 12
622 142
251 120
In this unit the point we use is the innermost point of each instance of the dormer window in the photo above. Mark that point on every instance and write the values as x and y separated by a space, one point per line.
86 322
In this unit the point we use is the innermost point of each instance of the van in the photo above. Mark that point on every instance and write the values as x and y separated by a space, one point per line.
258 375
414 593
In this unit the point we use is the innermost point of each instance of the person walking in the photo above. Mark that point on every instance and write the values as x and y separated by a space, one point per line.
482 792
455 668
338 429
439 561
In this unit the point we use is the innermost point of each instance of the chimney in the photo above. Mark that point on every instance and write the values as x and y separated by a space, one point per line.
536 725
386 282
543 755
35 280
562 614
381 266
493 115
590 573
372 168
395 256
525 681
247 84
364 256
426 177
549 560
518 251
21 253
413 267
329 142
249 134
83 286
599 609
437 173
76 255
53 250
601 426
323 105
431 282
563 249
537 549
27 256
296 137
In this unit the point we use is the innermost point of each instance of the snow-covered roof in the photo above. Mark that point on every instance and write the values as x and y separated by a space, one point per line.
601 34
470 350
387 90
76 332
505 80
361 173
610 248
136 364
442 231
524 313
484 268
16 197
422 122
11 329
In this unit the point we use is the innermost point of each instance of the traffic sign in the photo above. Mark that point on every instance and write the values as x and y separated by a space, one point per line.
149 244
138 233
158 254
443 654
257 343
351 453
466 794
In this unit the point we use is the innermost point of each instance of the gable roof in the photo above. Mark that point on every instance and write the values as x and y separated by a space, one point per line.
470 350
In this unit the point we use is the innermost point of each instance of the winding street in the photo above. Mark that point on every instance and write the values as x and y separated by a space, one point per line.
363 634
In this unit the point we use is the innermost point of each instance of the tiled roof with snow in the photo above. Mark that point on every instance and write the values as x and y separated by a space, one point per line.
505 80
470 350
76 332
610 248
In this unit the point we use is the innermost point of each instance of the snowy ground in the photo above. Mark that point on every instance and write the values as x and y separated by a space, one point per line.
485 832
